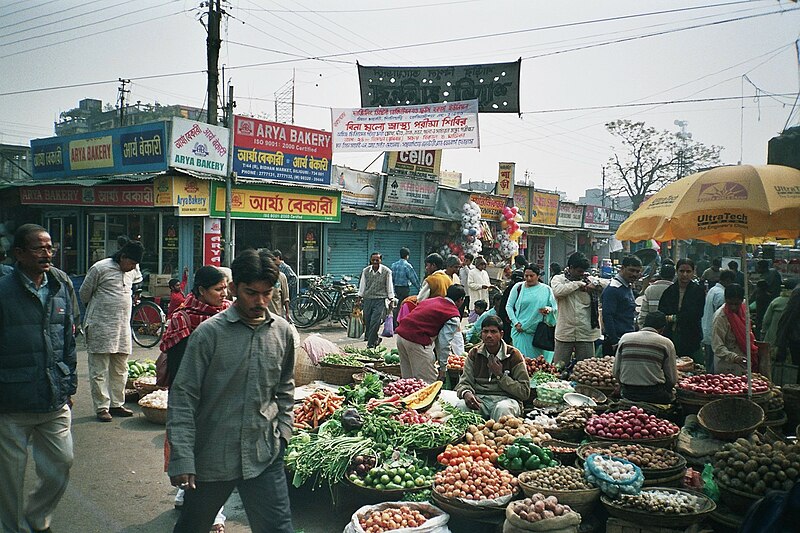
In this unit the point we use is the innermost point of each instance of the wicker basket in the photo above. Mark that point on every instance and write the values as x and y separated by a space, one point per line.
392 370
730 418
145 388
736 499
305 371
650 474
637 516
369 495
565 458
131 395
466 511
582 501
338 374
666 442
156 416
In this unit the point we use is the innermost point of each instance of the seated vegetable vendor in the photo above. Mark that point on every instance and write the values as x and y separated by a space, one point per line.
645 365
495 380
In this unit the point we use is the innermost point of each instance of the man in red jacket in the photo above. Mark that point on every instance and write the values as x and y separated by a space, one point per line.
429 328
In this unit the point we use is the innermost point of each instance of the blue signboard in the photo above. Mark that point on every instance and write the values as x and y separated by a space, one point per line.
141 148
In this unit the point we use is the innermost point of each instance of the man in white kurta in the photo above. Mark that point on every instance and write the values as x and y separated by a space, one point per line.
106 293
478 283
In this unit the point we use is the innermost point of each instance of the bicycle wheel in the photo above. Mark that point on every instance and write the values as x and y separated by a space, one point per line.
346 309
147 324
304 311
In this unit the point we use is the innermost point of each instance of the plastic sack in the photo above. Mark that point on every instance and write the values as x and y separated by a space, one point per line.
611 487
355 329
710 487
567 523
316 347
388 327
436 524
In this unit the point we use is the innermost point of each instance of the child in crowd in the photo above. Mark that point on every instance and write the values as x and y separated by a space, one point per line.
480 308
176 296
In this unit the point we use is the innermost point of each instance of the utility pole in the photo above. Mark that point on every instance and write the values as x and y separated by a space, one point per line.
603 196
122 92
213 43
229 178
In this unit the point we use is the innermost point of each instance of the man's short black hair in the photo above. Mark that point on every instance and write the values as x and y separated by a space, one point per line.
404 253
727 276
733 265
481 304
734 291
578 260
519 262
631 261
716 262
436 260
375 253
667 271
468 257
251 266
277 254
23 233
656 320
456 292
493 320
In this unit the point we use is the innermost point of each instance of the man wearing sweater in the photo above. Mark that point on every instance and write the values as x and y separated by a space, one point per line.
619 305
375 290
645 365
436 281
429 329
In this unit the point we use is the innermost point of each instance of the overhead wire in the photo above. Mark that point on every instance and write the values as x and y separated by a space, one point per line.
59 21
28 7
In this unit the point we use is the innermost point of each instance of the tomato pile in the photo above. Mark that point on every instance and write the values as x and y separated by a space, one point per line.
539 364
403 387
393 518
460 453
721 384
456 362
474 480
633 423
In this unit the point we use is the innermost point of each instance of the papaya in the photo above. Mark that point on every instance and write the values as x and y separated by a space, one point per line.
423 398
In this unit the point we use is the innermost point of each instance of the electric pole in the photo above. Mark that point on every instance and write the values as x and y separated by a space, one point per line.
121 99
227 244
213 43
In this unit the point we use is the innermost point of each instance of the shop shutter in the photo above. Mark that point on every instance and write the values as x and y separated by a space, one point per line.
389 243
348 252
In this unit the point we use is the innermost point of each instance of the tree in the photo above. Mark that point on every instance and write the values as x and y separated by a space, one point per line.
649 159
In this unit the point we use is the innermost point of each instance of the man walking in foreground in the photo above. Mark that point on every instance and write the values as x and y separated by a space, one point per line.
37 379
375 291
230 407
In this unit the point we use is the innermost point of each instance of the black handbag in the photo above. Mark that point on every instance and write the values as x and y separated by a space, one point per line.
545 336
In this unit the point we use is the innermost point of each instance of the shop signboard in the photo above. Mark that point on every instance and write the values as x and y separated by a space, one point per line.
99 195
162 191
191 195
570 215
409 127
197 146
133 149
494 85
278 203
505 180
616 218
358 188
450 178
212 241
544 209
282 152
425 162
522 201
409 195
595 217
491 206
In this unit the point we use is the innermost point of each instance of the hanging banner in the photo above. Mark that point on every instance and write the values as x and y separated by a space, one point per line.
494 85
129 150
278 203
212 242
505 180
616 218
283 152
522 201
491 206
427 162
358 188
570 215
99 195
197 146
595 217
428 126
409 195
545 208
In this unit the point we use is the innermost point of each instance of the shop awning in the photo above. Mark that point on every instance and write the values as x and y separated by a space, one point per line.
385 214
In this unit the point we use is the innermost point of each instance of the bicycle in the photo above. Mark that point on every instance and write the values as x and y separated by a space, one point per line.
148 322
324 298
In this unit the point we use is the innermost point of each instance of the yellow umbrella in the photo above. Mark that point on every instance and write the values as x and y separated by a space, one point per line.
740 203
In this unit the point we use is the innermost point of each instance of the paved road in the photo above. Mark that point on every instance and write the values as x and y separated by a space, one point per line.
118 484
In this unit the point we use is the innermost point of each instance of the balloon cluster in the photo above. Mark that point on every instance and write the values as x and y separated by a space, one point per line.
450 248
471 228
509 220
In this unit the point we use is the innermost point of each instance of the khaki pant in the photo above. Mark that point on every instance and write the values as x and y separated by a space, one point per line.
494 407
416 360
50 439
108 373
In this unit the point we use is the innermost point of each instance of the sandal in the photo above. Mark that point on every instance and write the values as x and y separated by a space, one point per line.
218 528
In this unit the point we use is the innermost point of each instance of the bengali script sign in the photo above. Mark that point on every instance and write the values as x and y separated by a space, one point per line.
595 217
279 203
491 206
428 127
212 241
570 215
99 195
494 85
409 195
358 188
522 200
427 162
545 208
282 152
505 180
133 149
197 146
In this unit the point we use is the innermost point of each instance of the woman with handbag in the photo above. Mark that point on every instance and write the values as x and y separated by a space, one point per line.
531 303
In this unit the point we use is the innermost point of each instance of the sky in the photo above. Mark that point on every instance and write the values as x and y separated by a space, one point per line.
584 64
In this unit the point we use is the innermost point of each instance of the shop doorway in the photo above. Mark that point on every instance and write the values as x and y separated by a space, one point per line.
104 229
64 233
299 243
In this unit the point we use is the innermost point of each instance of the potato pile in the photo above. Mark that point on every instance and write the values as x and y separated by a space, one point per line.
537 507
574 417
642 456
756 468
661 501
556 478
504 431
474 480
595 372
377 521
775 402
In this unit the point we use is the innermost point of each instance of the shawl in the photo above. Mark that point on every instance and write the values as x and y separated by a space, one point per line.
737 321
190 314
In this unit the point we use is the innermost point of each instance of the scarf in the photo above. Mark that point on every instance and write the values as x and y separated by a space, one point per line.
190 314
594 308
737 321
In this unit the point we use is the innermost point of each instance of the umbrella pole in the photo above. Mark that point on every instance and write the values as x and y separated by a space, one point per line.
748 326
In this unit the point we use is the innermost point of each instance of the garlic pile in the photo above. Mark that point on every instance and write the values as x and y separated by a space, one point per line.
660 501
615 469
156 400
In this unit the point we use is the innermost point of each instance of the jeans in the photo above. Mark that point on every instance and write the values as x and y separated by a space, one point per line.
265 499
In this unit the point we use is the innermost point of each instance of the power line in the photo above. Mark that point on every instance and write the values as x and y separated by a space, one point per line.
26 8
59 13
358 10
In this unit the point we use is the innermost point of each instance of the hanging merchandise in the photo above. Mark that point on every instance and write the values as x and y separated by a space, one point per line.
471 229
509 221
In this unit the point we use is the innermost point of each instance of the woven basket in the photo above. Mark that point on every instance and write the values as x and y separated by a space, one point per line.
565 458
392 370
730 418
305 371
654 475
145 388
131 395
736 499
666 442
156 416
582 500
466 511
637 516
337 374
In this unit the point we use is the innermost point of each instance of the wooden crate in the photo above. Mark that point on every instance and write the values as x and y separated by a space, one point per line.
615 525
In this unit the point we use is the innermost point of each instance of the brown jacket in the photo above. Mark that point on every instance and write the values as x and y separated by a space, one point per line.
478 379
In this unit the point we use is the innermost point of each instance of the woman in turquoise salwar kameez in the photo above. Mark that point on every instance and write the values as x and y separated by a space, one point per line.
530 302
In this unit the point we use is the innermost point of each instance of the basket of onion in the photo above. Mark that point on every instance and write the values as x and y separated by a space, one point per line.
632 425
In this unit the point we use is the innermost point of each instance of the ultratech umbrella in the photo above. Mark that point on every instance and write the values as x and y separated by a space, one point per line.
740 203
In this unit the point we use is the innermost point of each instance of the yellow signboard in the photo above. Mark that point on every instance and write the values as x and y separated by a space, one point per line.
265 202
162 191
544 208
491 206
91 153
191 195
505 180
522 201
